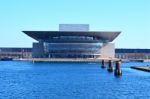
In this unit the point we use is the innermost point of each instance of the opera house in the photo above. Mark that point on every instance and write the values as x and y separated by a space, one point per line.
73 41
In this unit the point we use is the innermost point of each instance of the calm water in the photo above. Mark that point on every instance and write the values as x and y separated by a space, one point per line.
25 80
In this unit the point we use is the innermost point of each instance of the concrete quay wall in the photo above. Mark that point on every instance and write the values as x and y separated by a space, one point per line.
78 60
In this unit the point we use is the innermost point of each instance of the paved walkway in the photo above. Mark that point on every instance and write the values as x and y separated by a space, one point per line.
97 60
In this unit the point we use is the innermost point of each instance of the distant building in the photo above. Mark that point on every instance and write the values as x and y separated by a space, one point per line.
15 52
73 41
132 54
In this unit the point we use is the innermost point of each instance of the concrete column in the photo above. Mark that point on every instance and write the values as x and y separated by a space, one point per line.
110 67
103 64
118 71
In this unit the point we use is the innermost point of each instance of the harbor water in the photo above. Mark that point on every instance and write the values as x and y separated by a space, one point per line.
27 80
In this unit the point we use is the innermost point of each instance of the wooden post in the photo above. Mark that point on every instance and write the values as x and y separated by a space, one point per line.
110 67
118 71
103 64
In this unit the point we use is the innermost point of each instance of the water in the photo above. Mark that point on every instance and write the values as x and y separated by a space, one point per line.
26 80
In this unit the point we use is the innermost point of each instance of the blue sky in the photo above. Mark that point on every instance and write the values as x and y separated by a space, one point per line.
132 17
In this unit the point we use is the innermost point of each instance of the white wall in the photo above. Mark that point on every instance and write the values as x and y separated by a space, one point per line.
108 50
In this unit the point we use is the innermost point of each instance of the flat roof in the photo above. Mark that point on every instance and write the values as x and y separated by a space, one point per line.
103 35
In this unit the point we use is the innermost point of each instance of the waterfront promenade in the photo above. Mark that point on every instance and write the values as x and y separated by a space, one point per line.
72 60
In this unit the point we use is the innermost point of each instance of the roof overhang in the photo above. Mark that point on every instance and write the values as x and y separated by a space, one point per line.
103 35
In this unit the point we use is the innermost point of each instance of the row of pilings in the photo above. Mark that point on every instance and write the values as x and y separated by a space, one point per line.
117 70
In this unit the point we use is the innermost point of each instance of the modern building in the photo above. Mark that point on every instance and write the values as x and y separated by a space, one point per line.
73 41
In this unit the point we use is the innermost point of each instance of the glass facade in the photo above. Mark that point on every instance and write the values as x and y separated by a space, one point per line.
72 50
70 47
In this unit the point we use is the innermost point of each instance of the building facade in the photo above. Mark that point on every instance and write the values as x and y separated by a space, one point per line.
73 41
15 53
131 54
